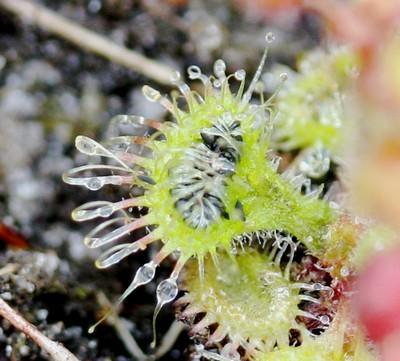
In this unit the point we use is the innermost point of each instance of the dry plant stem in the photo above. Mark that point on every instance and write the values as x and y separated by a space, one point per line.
129 341
88 40
122 330
169 339
54 349
133 348
126 337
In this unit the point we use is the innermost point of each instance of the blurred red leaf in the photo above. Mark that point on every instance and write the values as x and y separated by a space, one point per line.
378 298
12 238
369 27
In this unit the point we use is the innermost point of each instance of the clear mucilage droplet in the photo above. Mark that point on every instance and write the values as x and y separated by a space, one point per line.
318 287
240 75
86 145
116 254
167 291
175 77
325 320
316 162
94 184
143 276
145 273
270 37
219 69
93 210
90 147
105 211
151 94
194 72
283 76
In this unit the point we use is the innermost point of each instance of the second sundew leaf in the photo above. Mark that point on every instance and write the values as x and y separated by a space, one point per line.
246 298
310 107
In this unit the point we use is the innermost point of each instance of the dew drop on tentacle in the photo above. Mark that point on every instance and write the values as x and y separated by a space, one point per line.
144 275
151 94
269 37
154 95
96 232
131 145
219 70
121 251
94 242
312 287
90 147
217 83
121 231
136 124
284 76
194 73
116 254
93 210
167 291
86 145
176 80
240 75
325 320
103 209
94 183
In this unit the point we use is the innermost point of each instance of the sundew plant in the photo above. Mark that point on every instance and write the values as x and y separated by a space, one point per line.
247 237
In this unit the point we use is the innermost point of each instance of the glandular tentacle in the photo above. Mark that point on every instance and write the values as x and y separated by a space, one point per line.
103 209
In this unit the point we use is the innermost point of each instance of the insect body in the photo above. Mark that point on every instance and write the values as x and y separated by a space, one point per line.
200 179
